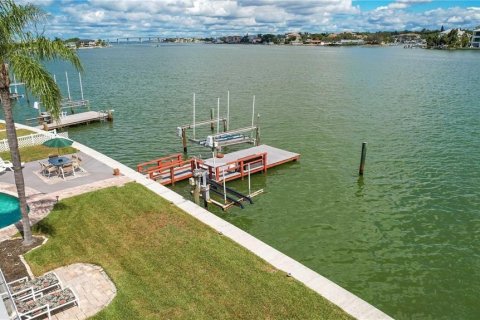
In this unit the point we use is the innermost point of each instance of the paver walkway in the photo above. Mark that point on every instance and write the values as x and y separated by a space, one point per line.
91 285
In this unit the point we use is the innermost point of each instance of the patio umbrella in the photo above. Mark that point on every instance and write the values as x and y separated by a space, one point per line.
58 142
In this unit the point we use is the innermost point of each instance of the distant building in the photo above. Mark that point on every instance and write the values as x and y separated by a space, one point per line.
460 33
314 42
83 43
233 39
407 37
475 42
358 42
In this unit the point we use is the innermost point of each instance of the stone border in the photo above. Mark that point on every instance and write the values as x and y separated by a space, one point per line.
344 299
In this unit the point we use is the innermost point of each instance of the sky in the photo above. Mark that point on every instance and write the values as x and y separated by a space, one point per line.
109 19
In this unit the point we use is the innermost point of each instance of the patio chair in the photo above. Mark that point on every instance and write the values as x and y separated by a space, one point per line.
76 161
24 287
50 156
48 169
6 165
45 304
67 170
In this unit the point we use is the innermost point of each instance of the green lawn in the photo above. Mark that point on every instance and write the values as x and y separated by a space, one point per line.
20 133
35 153
166 264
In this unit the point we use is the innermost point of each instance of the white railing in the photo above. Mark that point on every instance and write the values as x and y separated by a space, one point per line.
33 139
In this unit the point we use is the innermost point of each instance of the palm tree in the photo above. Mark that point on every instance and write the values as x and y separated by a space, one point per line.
22 50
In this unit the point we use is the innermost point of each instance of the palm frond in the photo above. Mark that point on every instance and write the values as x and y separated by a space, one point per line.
45 49
38 81
14 18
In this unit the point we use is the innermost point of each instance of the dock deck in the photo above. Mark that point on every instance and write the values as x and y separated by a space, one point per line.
240 163
76 119
235 165
274 157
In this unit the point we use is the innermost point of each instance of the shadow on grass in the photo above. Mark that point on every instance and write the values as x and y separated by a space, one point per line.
45 228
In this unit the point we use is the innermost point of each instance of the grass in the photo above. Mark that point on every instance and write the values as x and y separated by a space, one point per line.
166 264
35 153
20 133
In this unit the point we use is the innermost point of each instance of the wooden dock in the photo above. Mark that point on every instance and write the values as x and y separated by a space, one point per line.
235 165
75 119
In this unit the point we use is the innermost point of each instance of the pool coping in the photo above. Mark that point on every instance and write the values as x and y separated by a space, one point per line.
334 293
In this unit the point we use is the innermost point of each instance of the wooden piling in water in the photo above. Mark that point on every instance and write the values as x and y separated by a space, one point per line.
184 139
362 159
212 116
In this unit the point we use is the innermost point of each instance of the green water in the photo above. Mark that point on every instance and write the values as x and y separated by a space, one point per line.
405 237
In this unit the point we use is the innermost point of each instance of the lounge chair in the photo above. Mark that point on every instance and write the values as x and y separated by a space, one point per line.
6 165
45 304
24 287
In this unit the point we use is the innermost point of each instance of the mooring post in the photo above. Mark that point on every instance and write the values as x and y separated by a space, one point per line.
184 140
224 125
212 116
362 159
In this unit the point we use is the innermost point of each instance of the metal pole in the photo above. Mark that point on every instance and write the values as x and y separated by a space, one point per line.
55 78
362 159
253 111
228 110
15 81
68 86
81 86
194 115
218 115
249 186
224 187
212 116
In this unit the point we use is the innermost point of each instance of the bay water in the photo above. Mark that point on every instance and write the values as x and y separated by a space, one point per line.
405 237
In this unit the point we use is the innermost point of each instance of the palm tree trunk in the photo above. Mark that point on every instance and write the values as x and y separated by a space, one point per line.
15 153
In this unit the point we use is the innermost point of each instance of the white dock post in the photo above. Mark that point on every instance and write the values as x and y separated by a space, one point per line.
224 187
228 110
55 78
81 86
194 116
15 81
218 115
68 86
249 185
253 111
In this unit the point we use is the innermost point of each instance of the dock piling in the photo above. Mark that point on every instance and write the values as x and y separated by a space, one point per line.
228 110
218 115
362 159
184 140
194 115
212 116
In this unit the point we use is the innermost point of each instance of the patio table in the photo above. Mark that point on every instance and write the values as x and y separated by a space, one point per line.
59 161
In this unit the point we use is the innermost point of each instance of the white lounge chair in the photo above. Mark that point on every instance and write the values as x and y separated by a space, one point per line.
45 304
24 287
6 165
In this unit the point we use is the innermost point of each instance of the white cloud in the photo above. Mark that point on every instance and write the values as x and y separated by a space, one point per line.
129 18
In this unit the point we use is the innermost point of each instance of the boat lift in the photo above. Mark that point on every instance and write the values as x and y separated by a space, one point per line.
202 186
221 139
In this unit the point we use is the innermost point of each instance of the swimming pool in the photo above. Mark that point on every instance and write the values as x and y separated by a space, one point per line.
9 210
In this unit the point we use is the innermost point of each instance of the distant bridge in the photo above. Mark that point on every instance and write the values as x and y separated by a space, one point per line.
137 39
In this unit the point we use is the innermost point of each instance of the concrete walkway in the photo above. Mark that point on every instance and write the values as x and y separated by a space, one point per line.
91 285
